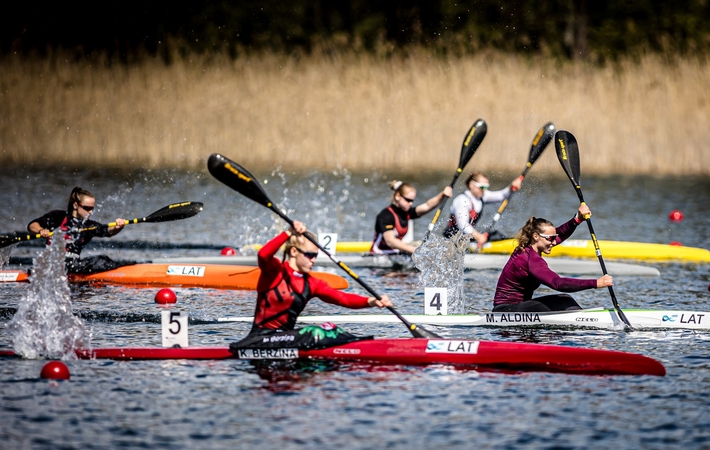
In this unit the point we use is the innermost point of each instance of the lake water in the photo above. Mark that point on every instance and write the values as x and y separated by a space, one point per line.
232 404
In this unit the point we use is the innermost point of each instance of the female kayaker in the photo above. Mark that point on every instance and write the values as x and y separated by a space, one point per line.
78 230
392 223
526 270
283 290
467 207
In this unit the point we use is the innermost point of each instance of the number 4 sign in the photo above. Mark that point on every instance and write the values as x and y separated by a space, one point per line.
435 301
174 328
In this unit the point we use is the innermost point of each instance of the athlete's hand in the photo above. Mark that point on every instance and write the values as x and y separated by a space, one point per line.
44 232
382 303
448 192
605 281
583 213
298 228
515 185
120 223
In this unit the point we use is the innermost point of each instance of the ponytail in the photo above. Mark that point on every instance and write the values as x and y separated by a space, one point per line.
76 195
525 235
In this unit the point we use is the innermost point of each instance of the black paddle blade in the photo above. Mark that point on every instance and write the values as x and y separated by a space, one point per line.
6 241
176 211
568 154
237 178
472 141
540 142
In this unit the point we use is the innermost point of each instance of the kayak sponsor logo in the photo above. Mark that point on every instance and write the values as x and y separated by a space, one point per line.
578 243
187 271
586 319
5 277
346 351
513 318
268 353
452 346
689 318
278 338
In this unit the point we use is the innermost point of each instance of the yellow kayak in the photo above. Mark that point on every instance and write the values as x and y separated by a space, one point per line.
581 248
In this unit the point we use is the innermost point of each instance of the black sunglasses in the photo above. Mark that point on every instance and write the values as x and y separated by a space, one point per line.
86 208
410 200
309 255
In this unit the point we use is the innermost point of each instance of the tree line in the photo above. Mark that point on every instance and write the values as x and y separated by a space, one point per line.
126 31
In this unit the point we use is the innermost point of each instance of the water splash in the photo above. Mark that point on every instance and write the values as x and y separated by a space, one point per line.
5 255
44 325
441 263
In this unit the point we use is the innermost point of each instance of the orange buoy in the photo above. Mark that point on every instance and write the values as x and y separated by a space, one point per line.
55 370
165 296
228 251
676 215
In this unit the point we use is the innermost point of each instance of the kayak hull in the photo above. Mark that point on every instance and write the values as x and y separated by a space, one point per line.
597 318
410 351
563 266
189 275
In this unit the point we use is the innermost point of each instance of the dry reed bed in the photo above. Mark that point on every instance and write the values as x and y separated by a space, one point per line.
358 112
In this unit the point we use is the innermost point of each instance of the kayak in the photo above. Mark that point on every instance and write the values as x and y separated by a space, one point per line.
193 275
565 266
601 318
581 248
411 351
11 276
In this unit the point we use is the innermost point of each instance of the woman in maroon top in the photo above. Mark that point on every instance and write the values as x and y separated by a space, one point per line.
283 290
526 270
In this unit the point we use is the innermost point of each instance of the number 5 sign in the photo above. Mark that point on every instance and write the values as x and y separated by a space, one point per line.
435 302
174 328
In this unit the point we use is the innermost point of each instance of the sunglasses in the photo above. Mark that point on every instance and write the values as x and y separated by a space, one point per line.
481 186
549 237
409 200
309 255
86 208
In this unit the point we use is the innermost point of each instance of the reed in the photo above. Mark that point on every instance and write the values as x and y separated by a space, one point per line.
356 111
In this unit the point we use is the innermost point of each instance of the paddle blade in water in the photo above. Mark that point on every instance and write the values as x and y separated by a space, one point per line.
176 211
540 142
237 178
568 154
472 141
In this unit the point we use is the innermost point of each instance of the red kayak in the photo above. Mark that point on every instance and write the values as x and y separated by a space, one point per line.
183 275
410 351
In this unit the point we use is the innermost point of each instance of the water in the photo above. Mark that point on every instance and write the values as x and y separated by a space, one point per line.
232 404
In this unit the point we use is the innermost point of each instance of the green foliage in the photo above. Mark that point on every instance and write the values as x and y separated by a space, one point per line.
579 29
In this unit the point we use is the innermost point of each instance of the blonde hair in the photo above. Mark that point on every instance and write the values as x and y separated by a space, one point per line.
474 176
525 235
398 187
293 242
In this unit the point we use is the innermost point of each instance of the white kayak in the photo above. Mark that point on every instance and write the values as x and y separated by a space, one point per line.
605 318
565 266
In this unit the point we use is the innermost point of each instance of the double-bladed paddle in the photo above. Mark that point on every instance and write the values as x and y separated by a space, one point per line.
175 211
471 142
239 179
568 154
539 144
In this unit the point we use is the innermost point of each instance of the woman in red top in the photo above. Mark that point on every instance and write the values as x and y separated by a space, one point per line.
526 270
392 223
283 290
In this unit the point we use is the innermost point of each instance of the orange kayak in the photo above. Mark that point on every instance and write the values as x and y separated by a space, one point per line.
194 275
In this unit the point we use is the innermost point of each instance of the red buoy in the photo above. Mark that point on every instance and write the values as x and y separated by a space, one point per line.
165 296
675 215
228 251
676 243
55 370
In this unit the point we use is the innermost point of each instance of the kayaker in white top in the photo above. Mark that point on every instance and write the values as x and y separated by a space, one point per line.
467 207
